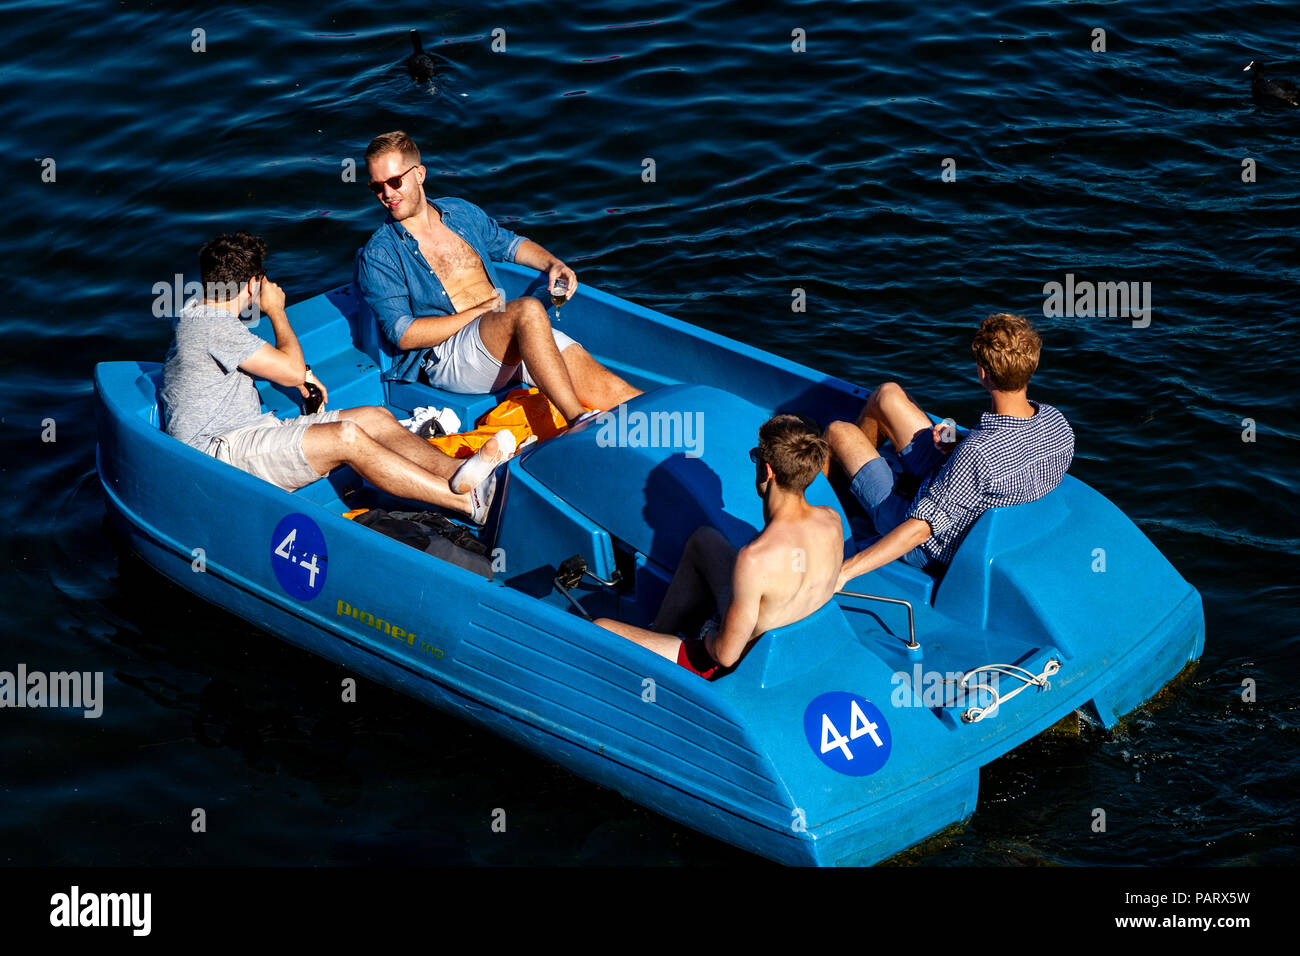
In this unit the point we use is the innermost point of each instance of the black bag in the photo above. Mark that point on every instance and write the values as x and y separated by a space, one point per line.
432 533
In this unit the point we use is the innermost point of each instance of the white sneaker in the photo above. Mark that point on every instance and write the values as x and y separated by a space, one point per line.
473 472
481 497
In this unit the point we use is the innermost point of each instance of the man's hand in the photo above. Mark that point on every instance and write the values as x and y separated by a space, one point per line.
558 270
272 297
945 436
495 303
533 256
324 393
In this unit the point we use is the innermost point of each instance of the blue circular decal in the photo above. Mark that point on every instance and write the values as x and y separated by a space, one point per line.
298 557
848 733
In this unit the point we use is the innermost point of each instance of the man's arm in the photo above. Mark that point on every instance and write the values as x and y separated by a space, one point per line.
747 584
431 330
910 534
534 256
281 363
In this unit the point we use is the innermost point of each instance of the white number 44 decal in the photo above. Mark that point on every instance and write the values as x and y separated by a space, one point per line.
859 726
285 550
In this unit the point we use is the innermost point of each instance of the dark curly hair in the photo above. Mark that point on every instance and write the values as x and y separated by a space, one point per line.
227 262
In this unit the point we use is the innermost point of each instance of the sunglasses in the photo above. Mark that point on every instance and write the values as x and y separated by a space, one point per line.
756 455
393 183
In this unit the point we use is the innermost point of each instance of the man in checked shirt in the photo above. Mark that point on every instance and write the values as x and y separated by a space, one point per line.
1018 453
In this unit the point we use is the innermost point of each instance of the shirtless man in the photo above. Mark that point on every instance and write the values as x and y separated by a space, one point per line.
210 400
782 576
427 275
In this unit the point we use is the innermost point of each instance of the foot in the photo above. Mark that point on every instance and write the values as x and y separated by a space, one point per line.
500 447
480 498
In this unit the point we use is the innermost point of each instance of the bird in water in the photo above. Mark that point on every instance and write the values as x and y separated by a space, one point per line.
419 64
1271 91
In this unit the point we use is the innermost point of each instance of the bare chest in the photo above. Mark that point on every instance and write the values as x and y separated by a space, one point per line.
457 266
448 254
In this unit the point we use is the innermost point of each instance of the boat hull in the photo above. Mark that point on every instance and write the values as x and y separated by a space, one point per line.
742 759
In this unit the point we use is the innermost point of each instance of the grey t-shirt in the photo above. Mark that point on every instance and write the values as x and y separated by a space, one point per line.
204 392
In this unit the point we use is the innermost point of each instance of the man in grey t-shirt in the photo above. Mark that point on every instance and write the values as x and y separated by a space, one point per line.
205 393
210 400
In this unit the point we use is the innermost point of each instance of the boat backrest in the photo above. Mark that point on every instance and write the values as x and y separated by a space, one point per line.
149 383
1023 532
784 653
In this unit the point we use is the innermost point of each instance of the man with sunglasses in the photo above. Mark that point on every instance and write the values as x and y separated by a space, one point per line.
427 275
785 574
211 403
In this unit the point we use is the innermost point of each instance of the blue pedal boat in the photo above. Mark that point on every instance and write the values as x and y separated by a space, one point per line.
843 739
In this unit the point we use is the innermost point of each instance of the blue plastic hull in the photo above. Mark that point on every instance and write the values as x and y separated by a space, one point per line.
735 758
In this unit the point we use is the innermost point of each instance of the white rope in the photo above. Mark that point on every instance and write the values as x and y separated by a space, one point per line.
1027 678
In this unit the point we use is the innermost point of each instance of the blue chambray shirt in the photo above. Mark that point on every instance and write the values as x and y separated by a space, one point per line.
400 286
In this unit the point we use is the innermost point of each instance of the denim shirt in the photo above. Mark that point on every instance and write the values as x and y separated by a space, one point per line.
399 285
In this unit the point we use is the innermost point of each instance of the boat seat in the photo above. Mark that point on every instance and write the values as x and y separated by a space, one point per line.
785 653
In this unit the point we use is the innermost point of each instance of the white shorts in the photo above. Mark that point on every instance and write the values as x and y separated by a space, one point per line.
463 363
271 448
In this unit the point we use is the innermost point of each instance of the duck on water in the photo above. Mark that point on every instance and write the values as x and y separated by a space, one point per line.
419 64
1271 91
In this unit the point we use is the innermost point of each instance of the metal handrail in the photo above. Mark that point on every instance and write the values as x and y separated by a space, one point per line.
911 619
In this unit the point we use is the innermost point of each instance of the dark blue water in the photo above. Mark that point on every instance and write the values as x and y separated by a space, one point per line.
774 170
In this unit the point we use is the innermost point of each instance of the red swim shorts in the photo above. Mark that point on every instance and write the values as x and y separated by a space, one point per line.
696 659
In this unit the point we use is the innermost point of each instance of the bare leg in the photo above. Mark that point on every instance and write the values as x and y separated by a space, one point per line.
889 414
893 412
850 448
522 332
380 425
345 443
665 645
703 576
595 385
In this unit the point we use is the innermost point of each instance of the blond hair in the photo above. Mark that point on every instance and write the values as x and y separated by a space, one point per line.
395 142
1007 348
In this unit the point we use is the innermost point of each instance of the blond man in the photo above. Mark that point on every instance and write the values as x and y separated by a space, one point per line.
428 275
1019 452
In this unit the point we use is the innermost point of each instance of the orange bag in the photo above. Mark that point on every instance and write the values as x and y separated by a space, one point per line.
525 411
